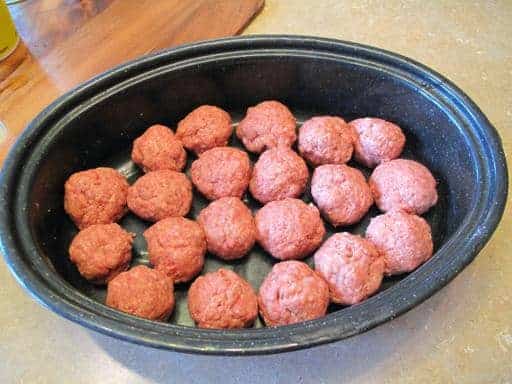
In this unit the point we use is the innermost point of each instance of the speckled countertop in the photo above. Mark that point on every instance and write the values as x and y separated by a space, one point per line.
463 334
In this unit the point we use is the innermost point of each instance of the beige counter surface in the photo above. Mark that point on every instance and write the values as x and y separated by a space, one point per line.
463 334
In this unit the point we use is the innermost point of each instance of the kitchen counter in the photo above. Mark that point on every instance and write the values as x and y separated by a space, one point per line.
463 334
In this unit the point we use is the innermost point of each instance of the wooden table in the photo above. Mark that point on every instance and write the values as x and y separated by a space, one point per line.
65 42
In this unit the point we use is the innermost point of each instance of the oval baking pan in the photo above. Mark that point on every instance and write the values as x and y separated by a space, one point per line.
95 124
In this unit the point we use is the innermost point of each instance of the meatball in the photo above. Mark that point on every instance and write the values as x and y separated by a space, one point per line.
221 172
351 266
176 246
292 292
160 194
267 125
326 140
222 299
403 184
278 173
204 128
403 239
341 193
142 292
229 228
376 141
95 196
289 228
101 252
158 149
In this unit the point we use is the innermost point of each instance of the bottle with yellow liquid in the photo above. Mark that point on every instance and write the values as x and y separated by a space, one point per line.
9 38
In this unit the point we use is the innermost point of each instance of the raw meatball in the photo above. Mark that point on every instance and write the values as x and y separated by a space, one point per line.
158 149
292 292
142 292
403 184
95 196
204 128
229 228
376 141
352 267
101 252
403 239
278 173
221 172
160 194
326 140
267 125
222 299
289 228
176 246
341 193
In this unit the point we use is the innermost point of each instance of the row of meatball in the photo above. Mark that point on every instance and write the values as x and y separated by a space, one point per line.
349 268
292 292
341 192
270 124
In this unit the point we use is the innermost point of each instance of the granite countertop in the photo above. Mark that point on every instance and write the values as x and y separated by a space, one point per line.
463 334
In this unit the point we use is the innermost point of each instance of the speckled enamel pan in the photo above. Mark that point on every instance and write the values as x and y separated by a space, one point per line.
95 124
